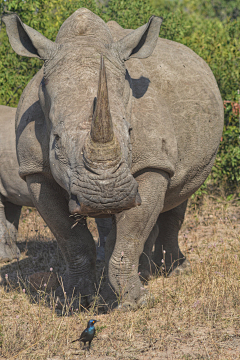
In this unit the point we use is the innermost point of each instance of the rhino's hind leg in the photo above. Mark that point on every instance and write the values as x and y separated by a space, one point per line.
146 267
9 220
169 224
76 242
12 213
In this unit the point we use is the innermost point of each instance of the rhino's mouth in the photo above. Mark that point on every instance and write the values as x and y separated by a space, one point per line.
103 194
77 209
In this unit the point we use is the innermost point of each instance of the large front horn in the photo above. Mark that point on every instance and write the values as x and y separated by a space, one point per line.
102 127
101 147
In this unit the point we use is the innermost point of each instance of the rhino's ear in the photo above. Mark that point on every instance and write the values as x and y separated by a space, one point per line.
141 42
26 41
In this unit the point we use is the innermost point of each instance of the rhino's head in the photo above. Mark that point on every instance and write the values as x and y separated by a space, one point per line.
85 95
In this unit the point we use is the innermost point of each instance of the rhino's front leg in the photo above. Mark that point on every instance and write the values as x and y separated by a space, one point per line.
9 219
132 229
76 244
145 262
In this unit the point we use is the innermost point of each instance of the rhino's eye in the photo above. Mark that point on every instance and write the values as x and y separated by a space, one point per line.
57 137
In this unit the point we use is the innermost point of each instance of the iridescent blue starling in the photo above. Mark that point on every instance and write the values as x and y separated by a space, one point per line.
87 334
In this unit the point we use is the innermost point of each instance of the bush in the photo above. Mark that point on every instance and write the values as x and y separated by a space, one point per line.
226 169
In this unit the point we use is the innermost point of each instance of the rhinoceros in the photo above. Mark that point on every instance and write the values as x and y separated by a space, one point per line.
117 123
13 190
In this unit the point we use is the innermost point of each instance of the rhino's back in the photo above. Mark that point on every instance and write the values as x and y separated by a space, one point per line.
11 185
177 115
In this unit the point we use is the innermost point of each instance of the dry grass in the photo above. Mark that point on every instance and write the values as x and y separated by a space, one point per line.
195 316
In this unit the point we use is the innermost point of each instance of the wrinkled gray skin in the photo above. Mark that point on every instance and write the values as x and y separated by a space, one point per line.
153 130
13 190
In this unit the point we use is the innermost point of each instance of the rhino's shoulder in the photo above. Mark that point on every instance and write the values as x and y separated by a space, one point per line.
180 56
176 73
173 60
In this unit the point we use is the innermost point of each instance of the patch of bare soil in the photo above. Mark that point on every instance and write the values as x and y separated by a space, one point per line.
195 315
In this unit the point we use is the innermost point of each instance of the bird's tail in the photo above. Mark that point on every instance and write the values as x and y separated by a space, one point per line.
75 340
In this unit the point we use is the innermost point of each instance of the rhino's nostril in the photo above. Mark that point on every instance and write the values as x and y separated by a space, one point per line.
74 206
138 200
135 201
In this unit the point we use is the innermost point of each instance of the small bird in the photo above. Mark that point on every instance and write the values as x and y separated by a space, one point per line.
88 333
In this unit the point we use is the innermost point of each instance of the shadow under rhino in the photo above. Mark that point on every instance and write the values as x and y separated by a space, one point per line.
36 256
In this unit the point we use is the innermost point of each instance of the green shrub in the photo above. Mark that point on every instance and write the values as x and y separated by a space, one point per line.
226 169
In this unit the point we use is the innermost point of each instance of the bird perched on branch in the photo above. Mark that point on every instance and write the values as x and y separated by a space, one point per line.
87 334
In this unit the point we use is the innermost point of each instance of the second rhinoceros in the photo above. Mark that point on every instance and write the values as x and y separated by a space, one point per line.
13 190
117 123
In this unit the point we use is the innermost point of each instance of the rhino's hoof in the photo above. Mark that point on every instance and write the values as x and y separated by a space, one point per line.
127 306
8 253
145 275
184 268
146 300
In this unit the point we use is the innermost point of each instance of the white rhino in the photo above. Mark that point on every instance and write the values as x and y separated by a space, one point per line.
13 190
132 140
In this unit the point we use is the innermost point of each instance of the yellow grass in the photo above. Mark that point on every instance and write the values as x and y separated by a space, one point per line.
195 316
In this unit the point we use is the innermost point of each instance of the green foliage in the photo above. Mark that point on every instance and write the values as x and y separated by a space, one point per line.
221 9
128 14
132 14
210 28
218 44
226 169
198 195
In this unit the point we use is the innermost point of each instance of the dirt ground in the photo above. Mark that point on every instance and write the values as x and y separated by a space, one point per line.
194 316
